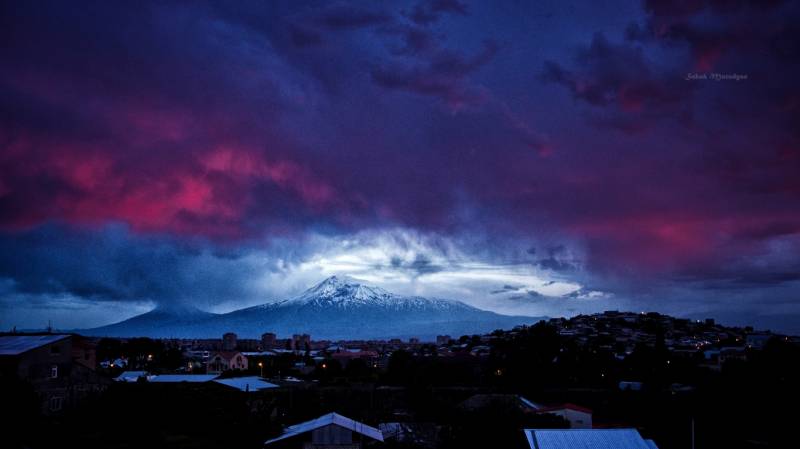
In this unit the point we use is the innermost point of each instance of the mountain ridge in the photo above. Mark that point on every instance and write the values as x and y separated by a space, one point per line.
339 307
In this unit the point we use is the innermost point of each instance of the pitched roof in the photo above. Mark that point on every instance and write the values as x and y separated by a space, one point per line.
326 420
227 355
249 383
17 344
587 439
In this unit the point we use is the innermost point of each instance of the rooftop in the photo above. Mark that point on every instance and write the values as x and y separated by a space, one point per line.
17 344
249 383
326 420
587 439
169 378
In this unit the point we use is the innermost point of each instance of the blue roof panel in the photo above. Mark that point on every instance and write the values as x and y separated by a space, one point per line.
587 439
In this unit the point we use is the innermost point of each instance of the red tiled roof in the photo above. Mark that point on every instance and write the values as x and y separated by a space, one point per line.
227 355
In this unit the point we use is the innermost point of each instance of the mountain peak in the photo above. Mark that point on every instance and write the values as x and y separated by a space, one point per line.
344 287
177 308
337 281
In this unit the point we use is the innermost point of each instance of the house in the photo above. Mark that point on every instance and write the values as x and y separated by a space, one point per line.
226 360
46 363
344 358
411 434
331 431
84 352
482 401
577 416
587 438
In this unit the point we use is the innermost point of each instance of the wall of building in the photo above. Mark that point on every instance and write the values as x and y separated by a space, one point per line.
577 419
331 435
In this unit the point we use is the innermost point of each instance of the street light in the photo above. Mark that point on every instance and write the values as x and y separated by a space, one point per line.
261 365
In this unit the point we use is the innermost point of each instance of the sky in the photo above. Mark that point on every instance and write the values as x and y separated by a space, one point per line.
536 158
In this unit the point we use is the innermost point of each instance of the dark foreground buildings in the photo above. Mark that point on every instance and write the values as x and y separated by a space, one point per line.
57 369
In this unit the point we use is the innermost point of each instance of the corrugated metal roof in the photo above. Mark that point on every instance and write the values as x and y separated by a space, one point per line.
17 344
586 439
250 383
167 378
326 420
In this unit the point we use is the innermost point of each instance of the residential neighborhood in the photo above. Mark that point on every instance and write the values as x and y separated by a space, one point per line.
557 383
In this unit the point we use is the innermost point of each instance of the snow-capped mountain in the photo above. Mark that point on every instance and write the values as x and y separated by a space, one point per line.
336 308
347 293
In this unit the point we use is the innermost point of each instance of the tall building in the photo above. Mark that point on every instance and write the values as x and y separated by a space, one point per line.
229 341
301 342
268 340
442 340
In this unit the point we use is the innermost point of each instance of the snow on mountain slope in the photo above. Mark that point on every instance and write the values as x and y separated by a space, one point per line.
337 308
346 292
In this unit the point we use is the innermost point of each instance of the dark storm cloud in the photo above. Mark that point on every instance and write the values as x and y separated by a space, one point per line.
418 266
619 78
310 27
429 11
344 16
505 289
530 296
441 75
423 265
113 265
557 259
241 123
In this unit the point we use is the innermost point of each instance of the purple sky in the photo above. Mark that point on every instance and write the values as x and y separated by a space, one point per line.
543 158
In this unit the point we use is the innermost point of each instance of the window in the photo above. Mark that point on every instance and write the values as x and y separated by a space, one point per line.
56 403
54 372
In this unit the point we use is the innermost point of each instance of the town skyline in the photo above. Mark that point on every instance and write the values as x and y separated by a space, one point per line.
541 159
